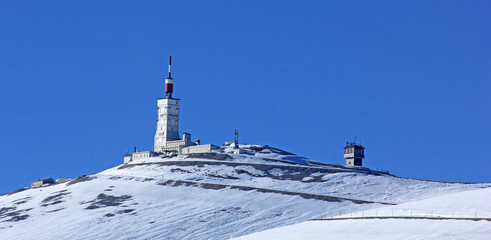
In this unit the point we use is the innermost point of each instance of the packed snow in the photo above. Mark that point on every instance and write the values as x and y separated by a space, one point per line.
209 196
462 215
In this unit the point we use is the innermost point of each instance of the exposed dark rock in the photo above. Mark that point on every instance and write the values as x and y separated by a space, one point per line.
56 210
82 178
214 186
103 200
281 161
16 191
268 149
289 172
125 211
55 199
224 177
241 171
229 210
214 156
6 209
15 216
21 200
179 170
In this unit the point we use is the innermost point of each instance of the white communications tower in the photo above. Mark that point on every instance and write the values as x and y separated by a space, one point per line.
167 116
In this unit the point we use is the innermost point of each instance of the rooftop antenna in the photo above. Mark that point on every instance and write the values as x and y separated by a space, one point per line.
236 138
169 83
170 61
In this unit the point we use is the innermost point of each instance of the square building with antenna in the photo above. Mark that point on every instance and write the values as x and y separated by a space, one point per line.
354 154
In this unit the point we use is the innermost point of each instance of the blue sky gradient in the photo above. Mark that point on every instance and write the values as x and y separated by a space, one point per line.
409 79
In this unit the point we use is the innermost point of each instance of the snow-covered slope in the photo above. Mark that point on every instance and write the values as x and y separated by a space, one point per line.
462 215
205 196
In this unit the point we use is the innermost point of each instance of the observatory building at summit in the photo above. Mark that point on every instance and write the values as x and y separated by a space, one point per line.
167 133
167 138
168 141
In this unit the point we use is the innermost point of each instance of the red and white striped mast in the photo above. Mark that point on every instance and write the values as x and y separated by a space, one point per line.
169 83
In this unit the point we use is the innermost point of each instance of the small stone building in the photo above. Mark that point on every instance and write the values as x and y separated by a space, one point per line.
43 183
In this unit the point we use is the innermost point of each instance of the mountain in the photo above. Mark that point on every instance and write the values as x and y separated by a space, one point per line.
206 196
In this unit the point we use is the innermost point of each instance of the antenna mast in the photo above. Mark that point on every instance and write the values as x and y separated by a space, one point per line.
236 139
169 83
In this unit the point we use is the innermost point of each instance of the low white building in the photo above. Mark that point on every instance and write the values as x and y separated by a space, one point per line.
233 147
206 148
138 156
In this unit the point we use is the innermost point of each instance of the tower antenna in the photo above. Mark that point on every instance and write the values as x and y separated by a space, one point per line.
169 83
236 138
170 61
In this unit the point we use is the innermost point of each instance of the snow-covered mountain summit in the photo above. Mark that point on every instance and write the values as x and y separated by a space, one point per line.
205 196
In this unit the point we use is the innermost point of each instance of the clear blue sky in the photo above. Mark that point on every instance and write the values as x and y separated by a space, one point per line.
409 79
